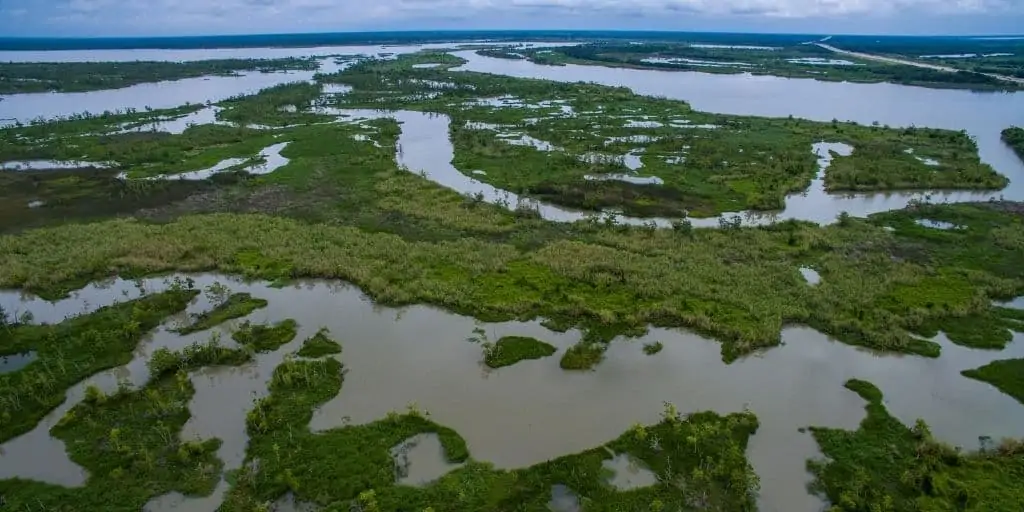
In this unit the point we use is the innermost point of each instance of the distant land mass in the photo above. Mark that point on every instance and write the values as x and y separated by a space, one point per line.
434 36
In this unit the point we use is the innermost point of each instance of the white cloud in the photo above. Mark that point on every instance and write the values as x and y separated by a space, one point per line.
247 16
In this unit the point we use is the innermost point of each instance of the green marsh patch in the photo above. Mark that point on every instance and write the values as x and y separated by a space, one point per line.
266 338
1006 375
319 345
236 305
72 350
884 465
510 350
130 442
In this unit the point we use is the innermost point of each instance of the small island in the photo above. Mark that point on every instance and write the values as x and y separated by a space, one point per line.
1014 137
319 345
510 350
235 306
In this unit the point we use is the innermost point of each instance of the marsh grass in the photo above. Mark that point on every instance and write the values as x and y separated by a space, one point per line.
583 356
1014 137
884 465
653 348
319 345
775 62
509 350
130 442
742 163
266 338
236 305
342 209
736 285
35 77
72 350
1006 375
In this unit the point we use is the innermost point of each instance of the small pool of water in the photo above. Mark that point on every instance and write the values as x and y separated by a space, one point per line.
420 460
695 62
271 156
45 165
642 124
628 178
629 473
818 61
14 362
936 224
810 275
563 499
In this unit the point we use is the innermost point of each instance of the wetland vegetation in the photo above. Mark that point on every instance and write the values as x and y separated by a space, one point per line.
29 77
70 351
130 442
319 345
557 134
235 305
509 350
1007 375
265 338
1014 136
352 467
885 465
342 208
793 60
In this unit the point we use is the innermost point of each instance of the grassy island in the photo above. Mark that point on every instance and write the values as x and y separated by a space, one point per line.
509 350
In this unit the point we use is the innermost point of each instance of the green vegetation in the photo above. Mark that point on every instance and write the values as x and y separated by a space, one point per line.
352 466
510 350
25 77
793 60
319 345
72 350
264 338
737 285
709 163
583 356
235 306
1014 136
1007 375
130 442
653 348
278 106
342 209
886 466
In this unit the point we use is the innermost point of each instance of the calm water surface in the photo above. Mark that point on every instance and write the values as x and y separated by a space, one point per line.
531 412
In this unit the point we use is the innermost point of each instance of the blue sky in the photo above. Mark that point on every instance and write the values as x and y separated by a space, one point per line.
56 18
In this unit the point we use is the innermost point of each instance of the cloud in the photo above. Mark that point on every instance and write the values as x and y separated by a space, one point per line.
135 17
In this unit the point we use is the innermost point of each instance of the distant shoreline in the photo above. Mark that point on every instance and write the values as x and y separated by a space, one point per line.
410 37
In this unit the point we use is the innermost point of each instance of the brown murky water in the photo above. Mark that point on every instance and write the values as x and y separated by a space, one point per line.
531 412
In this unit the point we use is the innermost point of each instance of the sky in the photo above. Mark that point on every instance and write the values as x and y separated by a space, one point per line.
70 18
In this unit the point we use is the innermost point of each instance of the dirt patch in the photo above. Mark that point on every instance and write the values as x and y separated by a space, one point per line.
265 199
1014 207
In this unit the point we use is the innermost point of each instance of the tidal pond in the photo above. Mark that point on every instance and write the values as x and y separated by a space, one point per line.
530 412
